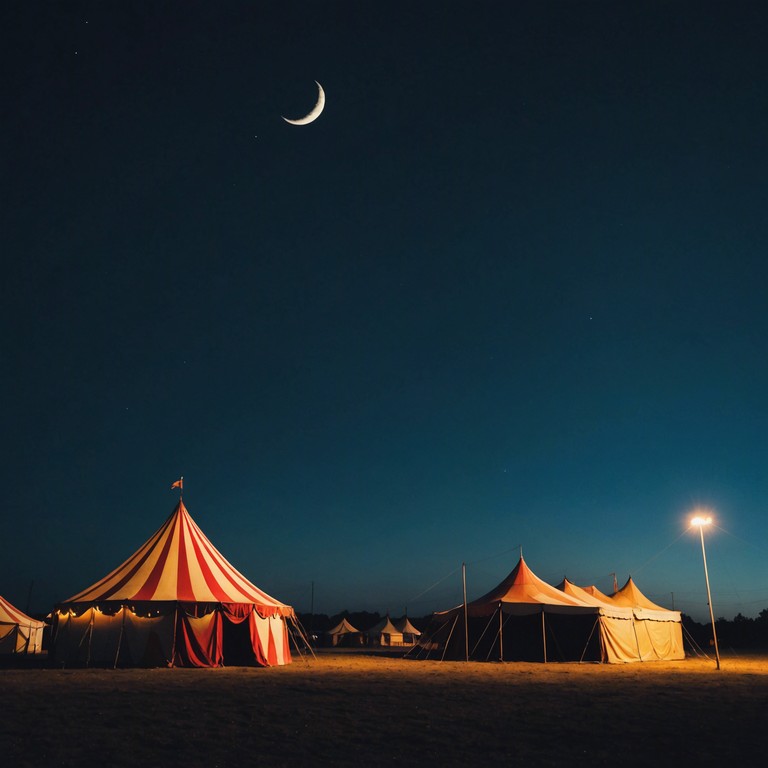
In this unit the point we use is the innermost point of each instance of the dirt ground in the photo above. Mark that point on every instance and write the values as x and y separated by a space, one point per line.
346 709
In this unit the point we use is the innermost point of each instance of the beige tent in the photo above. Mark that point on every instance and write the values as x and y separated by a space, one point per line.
522 618
344 634
19 633
526 618
617 631
385 633
410 633
659 631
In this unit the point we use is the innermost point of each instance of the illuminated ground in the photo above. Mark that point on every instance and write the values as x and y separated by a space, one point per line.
357 709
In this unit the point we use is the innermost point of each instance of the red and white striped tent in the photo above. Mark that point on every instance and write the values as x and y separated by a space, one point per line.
19 633
176 601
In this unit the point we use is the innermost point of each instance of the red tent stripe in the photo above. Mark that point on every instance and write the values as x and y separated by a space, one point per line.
138 560
188 569
226 571
208 575
183 581
147 590
16 616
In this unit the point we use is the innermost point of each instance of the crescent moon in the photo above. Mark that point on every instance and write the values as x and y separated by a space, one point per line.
316 110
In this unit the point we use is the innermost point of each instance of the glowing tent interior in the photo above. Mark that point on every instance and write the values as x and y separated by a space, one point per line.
525 618
658 631
384 633
19 633
175 602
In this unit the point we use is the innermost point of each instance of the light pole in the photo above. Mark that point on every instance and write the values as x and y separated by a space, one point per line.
699 521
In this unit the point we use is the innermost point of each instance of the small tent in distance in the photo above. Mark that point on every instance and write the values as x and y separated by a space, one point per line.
19 633
175 602
410 633
344 635
385 633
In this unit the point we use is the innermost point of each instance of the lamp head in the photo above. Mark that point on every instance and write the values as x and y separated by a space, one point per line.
701 520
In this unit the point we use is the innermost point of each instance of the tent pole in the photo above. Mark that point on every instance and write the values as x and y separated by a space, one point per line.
296 645
544 634
175 622
302 634
637 639
466 619
480 639
90 636
600 638
55 629
120 639
501 633
450 635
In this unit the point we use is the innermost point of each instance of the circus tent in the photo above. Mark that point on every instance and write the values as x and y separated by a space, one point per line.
19 633
175 602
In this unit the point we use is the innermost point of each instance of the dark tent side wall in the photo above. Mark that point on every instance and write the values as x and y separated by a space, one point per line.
533 637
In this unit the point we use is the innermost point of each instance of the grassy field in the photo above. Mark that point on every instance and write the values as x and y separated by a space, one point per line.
357 709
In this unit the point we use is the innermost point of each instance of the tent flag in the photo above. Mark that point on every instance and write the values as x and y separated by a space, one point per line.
179 484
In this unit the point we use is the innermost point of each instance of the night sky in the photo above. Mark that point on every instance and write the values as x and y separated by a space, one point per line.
509 289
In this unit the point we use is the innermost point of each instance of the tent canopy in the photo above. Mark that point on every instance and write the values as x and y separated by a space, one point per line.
404 625
343 628
179 564
595 598
11 615
522 592
19 633
384 627
630 596
175 601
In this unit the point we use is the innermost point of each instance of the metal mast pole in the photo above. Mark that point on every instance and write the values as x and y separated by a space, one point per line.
466 621
709 596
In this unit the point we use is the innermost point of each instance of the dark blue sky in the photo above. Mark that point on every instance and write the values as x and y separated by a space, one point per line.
509 289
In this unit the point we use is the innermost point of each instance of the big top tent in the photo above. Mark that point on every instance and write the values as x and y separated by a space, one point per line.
175 602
